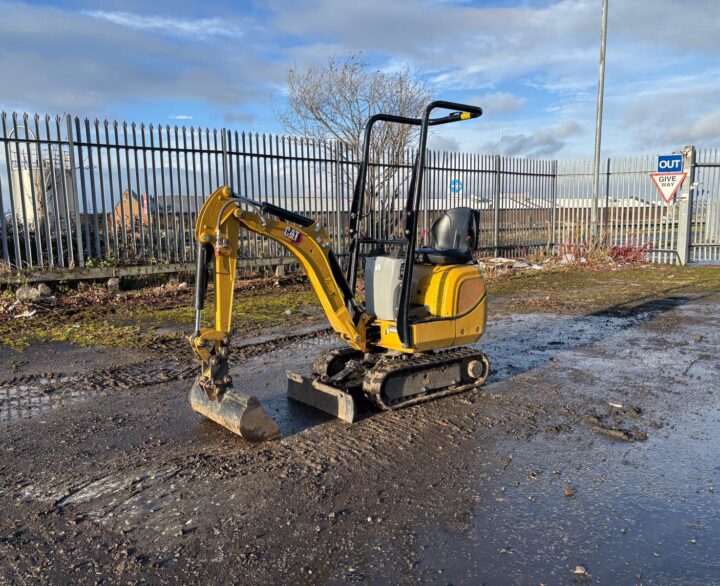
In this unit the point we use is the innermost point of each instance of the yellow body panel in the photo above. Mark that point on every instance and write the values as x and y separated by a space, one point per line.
454 301
437 287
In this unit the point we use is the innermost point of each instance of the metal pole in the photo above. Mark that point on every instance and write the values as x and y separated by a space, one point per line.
598 124
496 206
224 157
76 204
685 208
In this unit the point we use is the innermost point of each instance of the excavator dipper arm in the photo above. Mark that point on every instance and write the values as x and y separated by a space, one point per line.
218 230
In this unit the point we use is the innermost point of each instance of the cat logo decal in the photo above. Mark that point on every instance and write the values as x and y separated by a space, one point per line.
293 235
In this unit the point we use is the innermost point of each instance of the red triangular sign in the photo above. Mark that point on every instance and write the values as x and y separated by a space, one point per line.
668 183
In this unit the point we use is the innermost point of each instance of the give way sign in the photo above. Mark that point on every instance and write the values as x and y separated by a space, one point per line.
668 183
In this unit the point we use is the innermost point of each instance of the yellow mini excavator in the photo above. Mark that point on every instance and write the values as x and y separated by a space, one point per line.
403 345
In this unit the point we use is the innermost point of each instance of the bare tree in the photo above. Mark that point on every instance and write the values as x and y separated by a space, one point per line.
334 101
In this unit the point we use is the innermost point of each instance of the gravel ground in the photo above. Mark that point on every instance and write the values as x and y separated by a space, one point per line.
593 444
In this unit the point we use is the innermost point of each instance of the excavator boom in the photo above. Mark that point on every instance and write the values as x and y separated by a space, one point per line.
218 228
218 231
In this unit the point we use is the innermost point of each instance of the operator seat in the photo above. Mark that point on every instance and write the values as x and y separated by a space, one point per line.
454 235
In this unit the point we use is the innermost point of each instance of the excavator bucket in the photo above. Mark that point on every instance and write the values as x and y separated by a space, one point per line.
241 414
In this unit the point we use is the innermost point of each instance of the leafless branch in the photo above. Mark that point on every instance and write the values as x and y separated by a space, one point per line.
334 100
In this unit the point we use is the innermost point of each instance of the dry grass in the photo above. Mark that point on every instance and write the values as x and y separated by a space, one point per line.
89 315
602 252
574 288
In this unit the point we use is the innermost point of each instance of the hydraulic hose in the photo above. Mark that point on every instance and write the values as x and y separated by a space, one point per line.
201 280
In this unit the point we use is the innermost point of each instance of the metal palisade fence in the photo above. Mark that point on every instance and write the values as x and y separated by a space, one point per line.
704 220
80 193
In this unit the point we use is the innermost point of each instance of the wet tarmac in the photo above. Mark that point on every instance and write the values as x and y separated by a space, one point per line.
590 456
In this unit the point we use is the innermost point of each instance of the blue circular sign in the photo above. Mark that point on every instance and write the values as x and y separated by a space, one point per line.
456 186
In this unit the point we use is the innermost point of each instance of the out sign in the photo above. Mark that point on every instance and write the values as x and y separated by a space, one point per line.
670 164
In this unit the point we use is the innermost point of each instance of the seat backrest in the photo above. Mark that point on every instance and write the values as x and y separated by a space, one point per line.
456 229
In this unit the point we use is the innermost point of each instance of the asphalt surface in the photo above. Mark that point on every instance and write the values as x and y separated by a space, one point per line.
590 456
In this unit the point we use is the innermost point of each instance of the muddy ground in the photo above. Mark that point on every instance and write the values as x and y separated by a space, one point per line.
594 444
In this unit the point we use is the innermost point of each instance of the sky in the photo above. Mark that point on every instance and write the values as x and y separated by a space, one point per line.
531 65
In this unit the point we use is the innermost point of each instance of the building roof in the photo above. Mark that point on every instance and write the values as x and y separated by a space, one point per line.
147 201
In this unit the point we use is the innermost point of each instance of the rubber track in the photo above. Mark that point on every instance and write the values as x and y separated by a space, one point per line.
320 366
376 377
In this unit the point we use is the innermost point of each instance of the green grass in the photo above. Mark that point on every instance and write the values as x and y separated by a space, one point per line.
250 308
132 322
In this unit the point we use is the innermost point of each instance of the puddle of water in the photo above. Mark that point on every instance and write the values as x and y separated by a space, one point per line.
642 512
531 340
515 344
23 400
651 510
268 336
265 377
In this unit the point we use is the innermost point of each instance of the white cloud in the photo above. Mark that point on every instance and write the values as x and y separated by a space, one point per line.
200 28
181 117
499 103
550 48
438 142
90 65
463 46
562 84
543 142
703 129
234 117
97 62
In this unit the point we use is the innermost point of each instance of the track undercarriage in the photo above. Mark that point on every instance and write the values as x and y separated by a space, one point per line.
392 380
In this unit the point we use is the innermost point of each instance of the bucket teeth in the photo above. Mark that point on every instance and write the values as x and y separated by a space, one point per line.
241 414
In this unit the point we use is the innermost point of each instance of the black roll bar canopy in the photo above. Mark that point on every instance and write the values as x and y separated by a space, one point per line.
459 112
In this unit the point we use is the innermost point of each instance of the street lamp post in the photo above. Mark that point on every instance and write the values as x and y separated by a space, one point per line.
598 125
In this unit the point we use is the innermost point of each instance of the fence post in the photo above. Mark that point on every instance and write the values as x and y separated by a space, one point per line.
340 241
426 203
76 205
553 212
496 207
606 213
685 203
224 157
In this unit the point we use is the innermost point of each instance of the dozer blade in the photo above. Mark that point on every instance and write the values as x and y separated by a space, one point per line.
241 414
324 397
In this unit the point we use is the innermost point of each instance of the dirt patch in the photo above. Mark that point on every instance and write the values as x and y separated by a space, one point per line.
577 289
159 318
127 484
